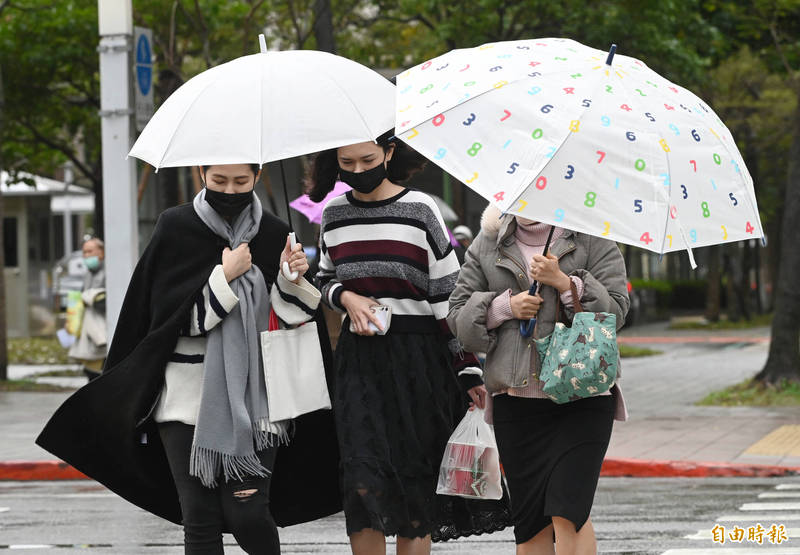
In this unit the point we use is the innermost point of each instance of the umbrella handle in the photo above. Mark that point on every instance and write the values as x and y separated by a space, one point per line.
526 328
288 274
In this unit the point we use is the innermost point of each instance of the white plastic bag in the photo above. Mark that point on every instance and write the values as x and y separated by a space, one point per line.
471 464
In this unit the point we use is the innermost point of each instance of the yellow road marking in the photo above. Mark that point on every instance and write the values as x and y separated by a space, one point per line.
780 441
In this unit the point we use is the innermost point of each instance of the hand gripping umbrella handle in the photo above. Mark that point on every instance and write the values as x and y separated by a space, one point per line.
288 274
526 328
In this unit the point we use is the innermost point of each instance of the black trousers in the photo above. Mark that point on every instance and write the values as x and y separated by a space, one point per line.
239 507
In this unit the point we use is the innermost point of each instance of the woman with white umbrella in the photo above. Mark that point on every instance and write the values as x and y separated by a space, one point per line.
185 375
401 382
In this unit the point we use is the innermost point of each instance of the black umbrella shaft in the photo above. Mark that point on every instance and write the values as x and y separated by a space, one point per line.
526 328
286 196
535 284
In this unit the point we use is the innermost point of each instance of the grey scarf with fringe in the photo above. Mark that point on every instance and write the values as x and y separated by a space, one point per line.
233 420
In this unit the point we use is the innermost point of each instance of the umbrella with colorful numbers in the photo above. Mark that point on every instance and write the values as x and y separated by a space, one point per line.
561 133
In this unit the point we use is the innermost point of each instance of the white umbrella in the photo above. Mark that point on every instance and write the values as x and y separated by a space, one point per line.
266 107
559 133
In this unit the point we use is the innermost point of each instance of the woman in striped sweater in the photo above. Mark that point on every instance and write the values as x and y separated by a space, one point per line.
397 395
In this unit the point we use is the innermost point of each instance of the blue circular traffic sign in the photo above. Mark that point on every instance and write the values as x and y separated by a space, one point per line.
144 65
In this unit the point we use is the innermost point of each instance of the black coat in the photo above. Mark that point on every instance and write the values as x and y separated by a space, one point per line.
106 430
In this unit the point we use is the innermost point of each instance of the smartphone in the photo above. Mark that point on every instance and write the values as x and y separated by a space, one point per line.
384 314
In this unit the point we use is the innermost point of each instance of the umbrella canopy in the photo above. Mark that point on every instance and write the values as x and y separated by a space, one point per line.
266 107
313 210
565 134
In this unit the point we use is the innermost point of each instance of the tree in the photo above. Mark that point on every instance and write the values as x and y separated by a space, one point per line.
3 329
756 106
50 64
772 27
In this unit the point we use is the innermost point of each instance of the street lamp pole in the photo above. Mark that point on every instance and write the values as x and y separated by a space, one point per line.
68 177
115 18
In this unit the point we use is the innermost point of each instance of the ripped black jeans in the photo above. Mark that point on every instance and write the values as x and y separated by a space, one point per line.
239 507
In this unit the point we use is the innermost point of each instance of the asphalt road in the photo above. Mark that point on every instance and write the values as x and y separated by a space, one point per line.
631 515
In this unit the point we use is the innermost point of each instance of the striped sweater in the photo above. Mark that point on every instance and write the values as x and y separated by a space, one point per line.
183 375
398 252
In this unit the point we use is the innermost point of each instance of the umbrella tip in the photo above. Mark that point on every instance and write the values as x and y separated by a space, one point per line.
262 42
611 53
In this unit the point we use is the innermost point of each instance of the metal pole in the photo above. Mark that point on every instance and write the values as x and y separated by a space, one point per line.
68 177
119 173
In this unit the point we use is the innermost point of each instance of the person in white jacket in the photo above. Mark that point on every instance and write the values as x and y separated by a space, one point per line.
89 348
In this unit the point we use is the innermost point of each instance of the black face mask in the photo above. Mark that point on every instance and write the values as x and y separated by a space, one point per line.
228 205
366 181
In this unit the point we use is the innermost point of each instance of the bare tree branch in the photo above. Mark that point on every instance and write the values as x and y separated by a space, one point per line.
64 149
204 28
776 40
295 24
248 22
172 38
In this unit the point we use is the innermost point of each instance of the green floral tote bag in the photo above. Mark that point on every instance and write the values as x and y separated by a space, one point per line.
581 360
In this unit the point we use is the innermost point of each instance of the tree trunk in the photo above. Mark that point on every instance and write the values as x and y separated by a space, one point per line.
713 292
3 331
784 351
323 26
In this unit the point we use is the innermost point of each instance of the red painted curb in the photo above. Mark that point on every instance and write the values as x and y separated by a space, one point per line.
38 470
636 468
690 469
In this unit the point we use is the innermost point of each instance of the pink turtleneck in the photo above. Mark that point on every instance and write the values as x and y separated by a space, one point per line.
530 239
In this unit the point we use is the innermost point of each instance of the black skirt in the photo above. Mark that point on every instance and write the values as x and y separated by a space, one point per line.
552 456
396 403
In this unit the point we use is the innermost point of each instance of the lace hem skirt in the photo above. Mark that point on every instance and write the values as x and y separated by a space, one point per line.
396 403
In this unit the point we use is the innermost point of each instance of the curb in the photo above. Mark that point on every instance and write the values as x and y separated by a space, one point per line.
38 470
690 469
613 467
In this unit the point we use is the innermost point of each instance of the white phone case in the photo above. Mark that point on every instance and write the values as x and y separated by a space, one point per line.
384 314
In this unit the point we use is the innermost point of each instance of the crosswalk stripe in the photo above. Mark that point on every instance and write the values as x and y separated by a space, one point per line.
707 535
770 507
754 517
736 551
779 495
787 486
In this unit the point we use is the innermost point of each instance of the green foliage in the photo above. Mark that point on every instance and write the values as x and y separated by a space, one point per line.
50 82
629 351
756 394
757 107
672 37
681 294
758 321
30 385
36 350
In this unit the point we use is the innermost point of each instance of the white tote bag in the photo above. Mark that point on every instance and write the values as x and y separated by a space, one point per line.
294 372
